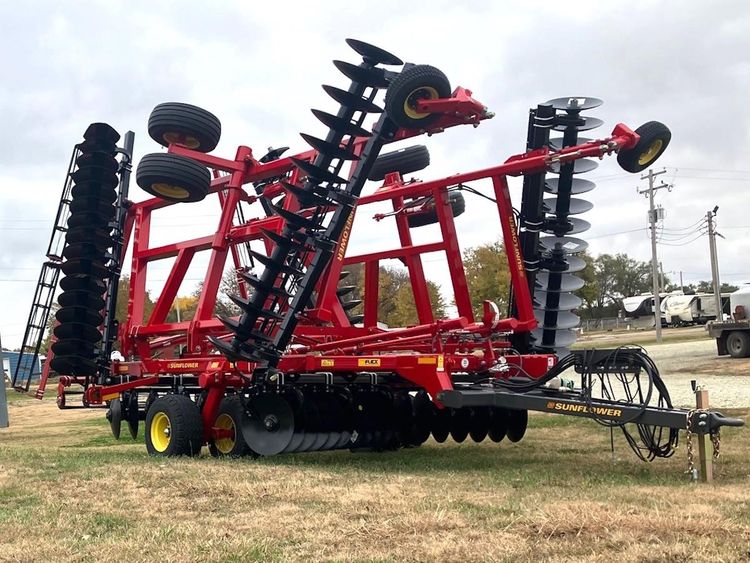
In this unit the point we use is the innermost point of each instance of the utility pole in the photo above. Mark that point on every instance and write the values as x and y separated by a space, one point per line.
712 234
661 277
649 193
3 397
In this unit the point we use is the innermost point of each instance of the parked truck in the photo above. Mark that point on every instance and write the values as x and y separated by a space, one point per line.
733 336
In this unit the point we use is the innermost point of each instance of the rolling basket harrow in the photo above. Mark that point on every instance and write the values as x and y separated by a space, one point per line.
298 369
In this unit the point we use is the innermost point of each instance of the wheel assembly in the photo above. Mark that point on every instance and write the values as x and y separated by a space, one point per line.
173 178
174 427
420 82
184 124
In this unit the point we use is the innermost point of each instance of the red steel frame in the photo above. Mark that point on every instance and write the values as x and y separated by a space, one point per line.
325 341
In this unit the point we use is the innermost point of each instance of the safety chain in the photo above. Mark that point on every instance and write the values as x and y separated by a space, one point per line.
689 443
715 442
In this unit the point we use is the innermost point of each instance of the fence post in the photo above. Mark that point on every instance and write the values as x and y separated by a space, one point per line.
706 461
4 423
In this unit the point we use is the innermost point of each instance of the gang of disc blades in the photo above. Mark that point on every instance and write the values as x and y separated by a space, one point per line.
277 413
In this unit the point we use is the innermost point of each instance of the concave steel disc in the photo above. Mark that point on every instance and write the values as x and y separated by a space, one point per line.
460 420
73 365
270 428
572 265
562 338
567 282
90 220
567 301
574 226
131 414
580 166
579 186
372 54
79 315
569 245
98 160
74 347
82 266
479 423
114 415
556 143
589 123
100 237
441 426
564 320
575 103
81 331
576 206
81 299
517 423
498 424
83 283
424 414
294 397
403 415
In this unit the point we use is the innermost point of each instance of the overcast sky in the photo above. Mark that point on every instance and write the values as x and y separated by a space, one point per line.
259 65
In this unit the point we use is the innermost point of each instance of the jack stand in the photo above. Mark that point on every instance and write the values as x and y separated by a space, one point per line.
706 461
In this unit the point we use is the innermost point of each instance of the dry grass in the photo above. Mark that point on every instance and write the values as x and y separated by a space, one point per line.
70 492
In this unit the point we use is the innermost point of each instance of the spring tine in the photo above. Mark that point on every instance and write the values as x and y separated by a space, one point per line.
293 219
340 125
306 198
268 261
316 172
372 54
352 101
373 77
329 149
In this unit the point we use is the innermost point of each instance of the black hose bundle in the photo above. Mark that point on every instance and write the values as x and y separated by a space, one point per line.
625 375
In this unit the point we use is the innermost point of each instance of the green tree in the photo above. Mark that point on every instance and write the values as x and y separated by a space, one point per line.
487 275
618 276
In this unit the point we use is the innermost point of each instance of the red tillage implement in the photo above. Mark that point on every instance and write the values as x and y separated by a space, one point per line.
295 370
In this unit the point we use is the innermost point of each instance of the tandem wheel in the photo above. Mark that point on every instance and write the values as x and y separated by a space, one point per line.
174 427
420 82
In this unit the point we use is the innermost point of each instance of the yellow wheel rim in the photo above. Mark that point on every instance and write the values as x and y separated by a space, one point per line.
161 432
421 93
184 140
225 422
169 190
650 153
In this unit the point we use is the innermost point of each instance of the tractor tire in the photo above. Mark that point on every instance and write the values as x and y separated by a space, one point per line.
403 161
654 140
229 417
738 344
416 83
173 178
430 217
174 427
186 125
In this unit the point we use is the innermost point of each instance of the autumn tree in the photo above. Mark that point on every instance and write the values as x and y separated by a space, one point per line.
487 275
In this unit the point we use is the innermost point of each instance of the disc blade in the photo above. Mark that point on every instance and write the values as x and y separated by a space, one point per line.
579 186
369 76
569 245
558 282
441 428
575 207
373 54
589 123
575 103
460 424
498 425
563 320
566 301
479 424
132 414
114 415
580 166
270 428
574 226
572 265
559 338
517 424
556 143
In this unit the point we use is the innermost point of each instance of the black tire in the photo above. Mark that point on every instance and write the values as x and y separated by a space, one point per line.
430 216
654 141
186 125
738 344
230 412
173 178
177 418
403 161
417 82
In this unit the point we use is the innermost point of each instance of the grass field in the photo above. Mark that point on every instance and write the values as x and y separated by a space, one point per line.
70 492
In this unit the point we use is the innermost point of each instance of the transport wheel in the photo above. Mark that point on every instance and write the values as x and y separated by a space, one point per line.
174 427
229 419
403 161
420 82
738 344
430 216
654 140
186 125
173 178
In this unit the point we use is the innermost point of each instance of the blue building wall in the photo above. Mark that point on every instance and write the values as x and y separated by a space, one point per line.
10 361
